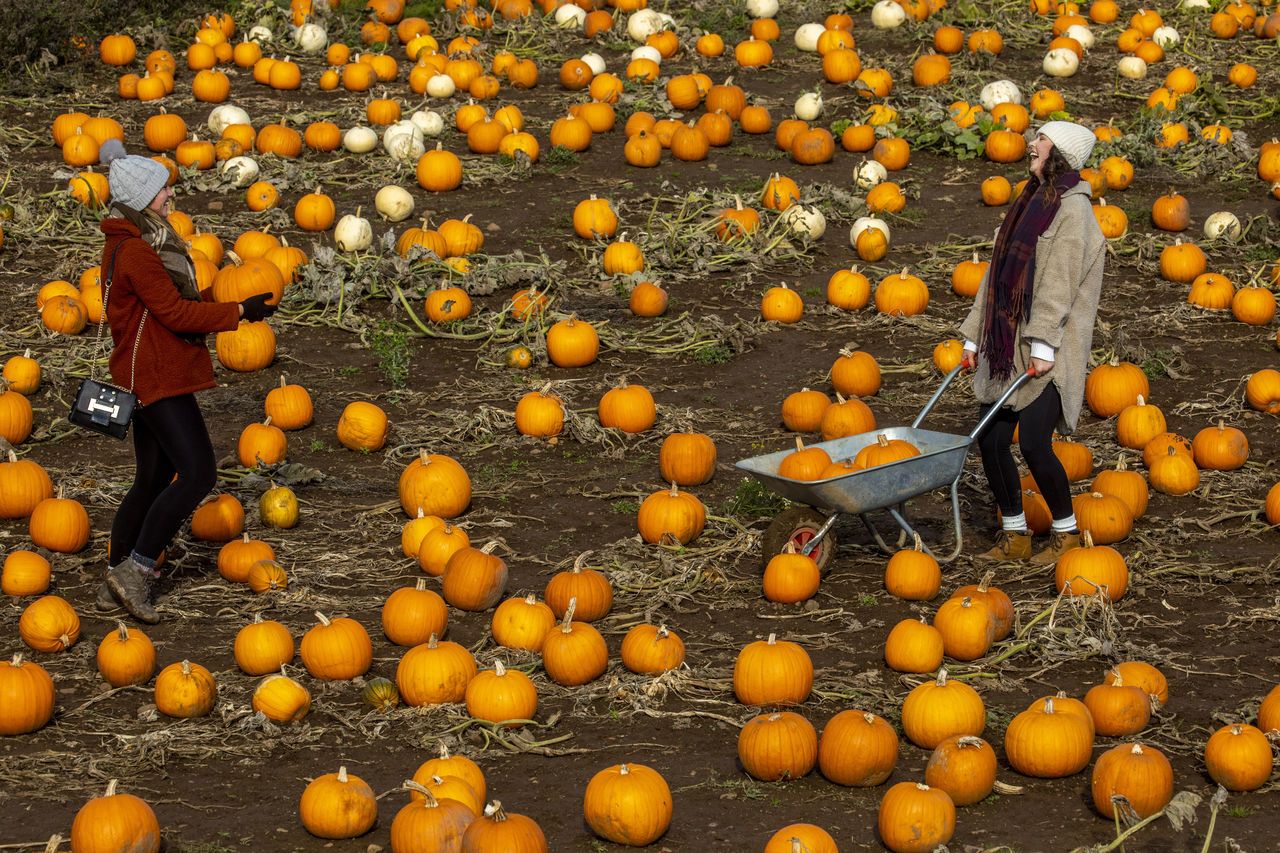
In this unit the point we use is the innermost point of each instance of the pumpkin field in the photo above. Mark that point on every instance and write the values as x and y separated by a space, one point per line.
480 574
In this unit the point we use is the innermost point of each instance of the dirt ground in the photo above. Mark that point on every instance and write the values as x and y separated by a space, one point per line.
1201 605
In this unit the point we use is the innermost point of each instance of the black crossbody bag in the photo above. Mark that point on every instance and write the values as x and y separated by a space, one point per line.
101 406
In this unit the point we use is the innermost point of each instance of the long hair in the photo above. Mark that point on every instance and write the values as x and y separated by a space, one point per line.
1055 166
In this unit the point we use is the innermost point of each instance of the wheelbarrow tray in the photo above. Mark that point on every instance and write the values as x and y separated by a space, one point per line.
940 462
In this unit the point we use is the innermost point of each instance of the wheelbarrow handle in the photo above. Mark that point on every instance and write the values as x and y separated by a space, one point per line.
995 407
937 395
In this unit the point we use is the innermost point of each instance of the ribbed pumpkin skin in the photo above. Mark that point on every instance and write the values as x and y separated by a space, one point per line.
49 624
338 805
772 672
628 804
263 647
1238 757
458 766
499 832
26 695
185 690
936 710
652 649
522 623
1140 773
778 746
435 673
1048 744
422 827
500 695
337 650
915 818
411 614
812 839
474 579
857 749
576 656
115 822
964 767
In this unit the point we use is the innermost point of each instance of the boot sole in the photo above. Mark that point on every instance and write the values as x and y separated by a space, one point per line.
150 616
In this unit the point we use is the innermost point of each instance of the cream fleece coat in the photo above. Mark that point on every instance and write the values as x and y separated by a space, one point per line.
1068 281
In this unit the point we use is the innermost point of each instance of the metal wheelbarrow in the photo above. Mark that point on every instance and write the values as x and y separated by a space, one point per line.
884 487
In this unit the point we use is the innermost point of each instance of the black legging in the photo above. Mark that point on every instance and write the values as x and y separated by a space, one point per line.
169 436
1035 438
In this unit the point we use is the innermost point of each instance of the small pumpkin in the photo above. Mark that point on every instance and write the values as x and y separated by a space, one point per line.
185 689
338 805
126 656
628 804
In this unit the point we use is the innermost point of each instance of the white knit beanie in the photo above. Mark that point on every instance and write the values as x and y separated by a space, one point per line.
1073 140
135 181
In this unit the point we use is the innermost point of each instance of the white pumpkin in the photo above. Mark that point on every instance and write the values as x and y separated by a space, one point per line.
595 62
1082 34
805 220
261 34
394 203
869 173
221 117
1132 67
1222 224
360 140
311 38
1167 37
643 24
430 122
441 86
668 22
808 106
1196 5
353 233
887 15
807 36
570 17
1061 62
862 223
404 141
1000 92
240 171
762 8
647 51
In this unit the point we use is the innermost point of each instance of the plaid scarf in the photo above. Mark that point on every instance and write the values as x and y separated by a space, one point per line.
1013 265
171 248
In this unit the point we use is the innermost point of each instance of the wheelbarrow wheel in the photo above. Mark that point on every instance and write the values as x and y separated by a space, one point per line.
798 525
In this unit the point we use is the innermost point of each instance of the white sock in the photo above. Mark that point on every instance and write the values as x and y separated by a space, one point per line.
1065 525
1015 523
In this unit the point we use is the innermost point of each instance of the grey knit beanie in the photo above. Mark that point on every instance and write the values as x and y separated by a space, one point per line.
1075 141
135 181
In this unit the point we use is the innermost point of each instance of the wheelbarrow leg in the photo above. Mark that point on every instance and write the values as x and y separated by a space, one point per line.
875 534
820 535
908 529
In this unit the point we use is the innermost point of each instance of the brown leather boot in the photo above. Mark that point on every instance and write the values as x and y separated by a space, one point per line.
1059 544
1009 546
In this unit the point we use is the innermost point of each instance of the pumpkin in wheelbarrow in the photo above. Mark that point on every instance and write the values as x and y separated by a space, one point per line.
884 451
806 463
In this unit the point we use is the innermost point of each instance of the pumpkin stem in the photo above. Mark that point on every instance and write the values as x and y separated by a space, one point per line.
233 257
1048 705
796 845
985 583
410 785
663 632
675 490
545 390
579 560
566 624
799 444
489 547
920 786
840 398
773 640
919 545
498 669
54 841
1137 749
13 457
942 678
111 788
903 274
531 599
789 548
1118 678
623 770
267 422
882 440
123 631
422 584
1087 538
342 774
16 660
186 667
433 641
324 620
971 741
494 812
869 717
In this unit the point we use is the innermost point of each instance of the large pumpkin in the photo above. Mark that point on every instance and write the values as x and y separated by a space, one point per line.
1140 774
437 484
628 804
772 672
435 673
474 579
915 818
777 746
938 709
857 749
26 696
1047 743
338 805
115 822
337 649
671 512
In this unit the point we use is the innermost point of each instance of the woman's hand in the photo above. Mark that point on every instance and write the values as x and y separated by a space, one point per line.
1040 367
969 359
255 308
